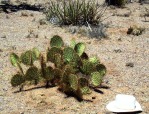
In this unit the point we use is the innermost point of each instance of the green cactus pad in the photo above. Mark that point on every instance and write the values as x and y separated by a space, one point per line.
56 41
73 81
79 48
68 54
85 90
94 60
49 73
96 79
36 53
84 85
69 69
51 53
32 74
73 43
14 59
17 80
83 82
101 68
26 58
87 67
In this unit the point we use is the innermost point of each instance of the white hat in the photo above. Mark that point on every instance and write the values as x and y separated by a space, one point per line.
124 103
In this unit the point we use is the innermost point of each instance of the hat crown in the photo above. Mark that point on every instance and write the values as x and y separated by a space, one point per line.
125 102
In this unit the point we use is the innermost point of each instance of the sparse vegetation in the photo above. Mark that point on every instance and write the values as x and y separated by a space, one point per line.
73 71
134 30
75 12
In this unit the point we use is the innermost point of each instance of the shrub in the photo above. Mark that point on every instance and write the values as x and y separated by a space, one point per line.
119 3
134 30
74 72
75 12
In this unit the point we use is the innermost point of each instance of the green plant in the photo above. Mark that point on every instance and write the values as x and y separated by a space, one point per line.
75 12
134 30
28 59
73 71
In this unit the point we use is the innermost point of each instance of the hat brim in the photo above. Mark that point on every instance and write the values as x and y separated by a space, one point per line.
112 107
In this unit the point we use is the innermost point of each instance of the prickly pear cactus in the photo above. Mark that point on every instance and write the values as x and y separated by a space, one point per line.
56 41
17 80
70 68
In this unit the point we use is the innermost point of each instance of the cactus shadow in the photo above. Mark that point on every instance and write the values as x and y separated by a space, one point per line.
98 91
77 98
104 87
101 87
8 8
34 88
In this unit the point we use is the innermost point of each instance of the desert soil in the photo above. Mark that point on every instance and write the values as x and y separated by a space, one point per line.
22 30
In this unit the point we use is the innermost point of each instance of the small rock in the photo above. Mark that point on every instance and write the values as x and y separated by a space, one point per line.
42 22
24 14
7 17
94 97
119 39
117 51
130 64
4 36
1 50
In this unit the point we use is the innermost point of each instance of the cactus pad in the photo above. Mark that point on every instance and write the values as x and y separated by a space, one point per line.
79 48
51 53
26 58
68 54
73 43
73 81
56 41
17 80
36 53
32 74
85 90
49 73
87 67
84 85
57 74
96 79
57 60
101 68
14 59
94 60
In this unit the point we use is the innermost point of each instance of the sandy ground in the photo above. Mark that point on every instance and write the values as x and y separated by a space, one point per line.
19 33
